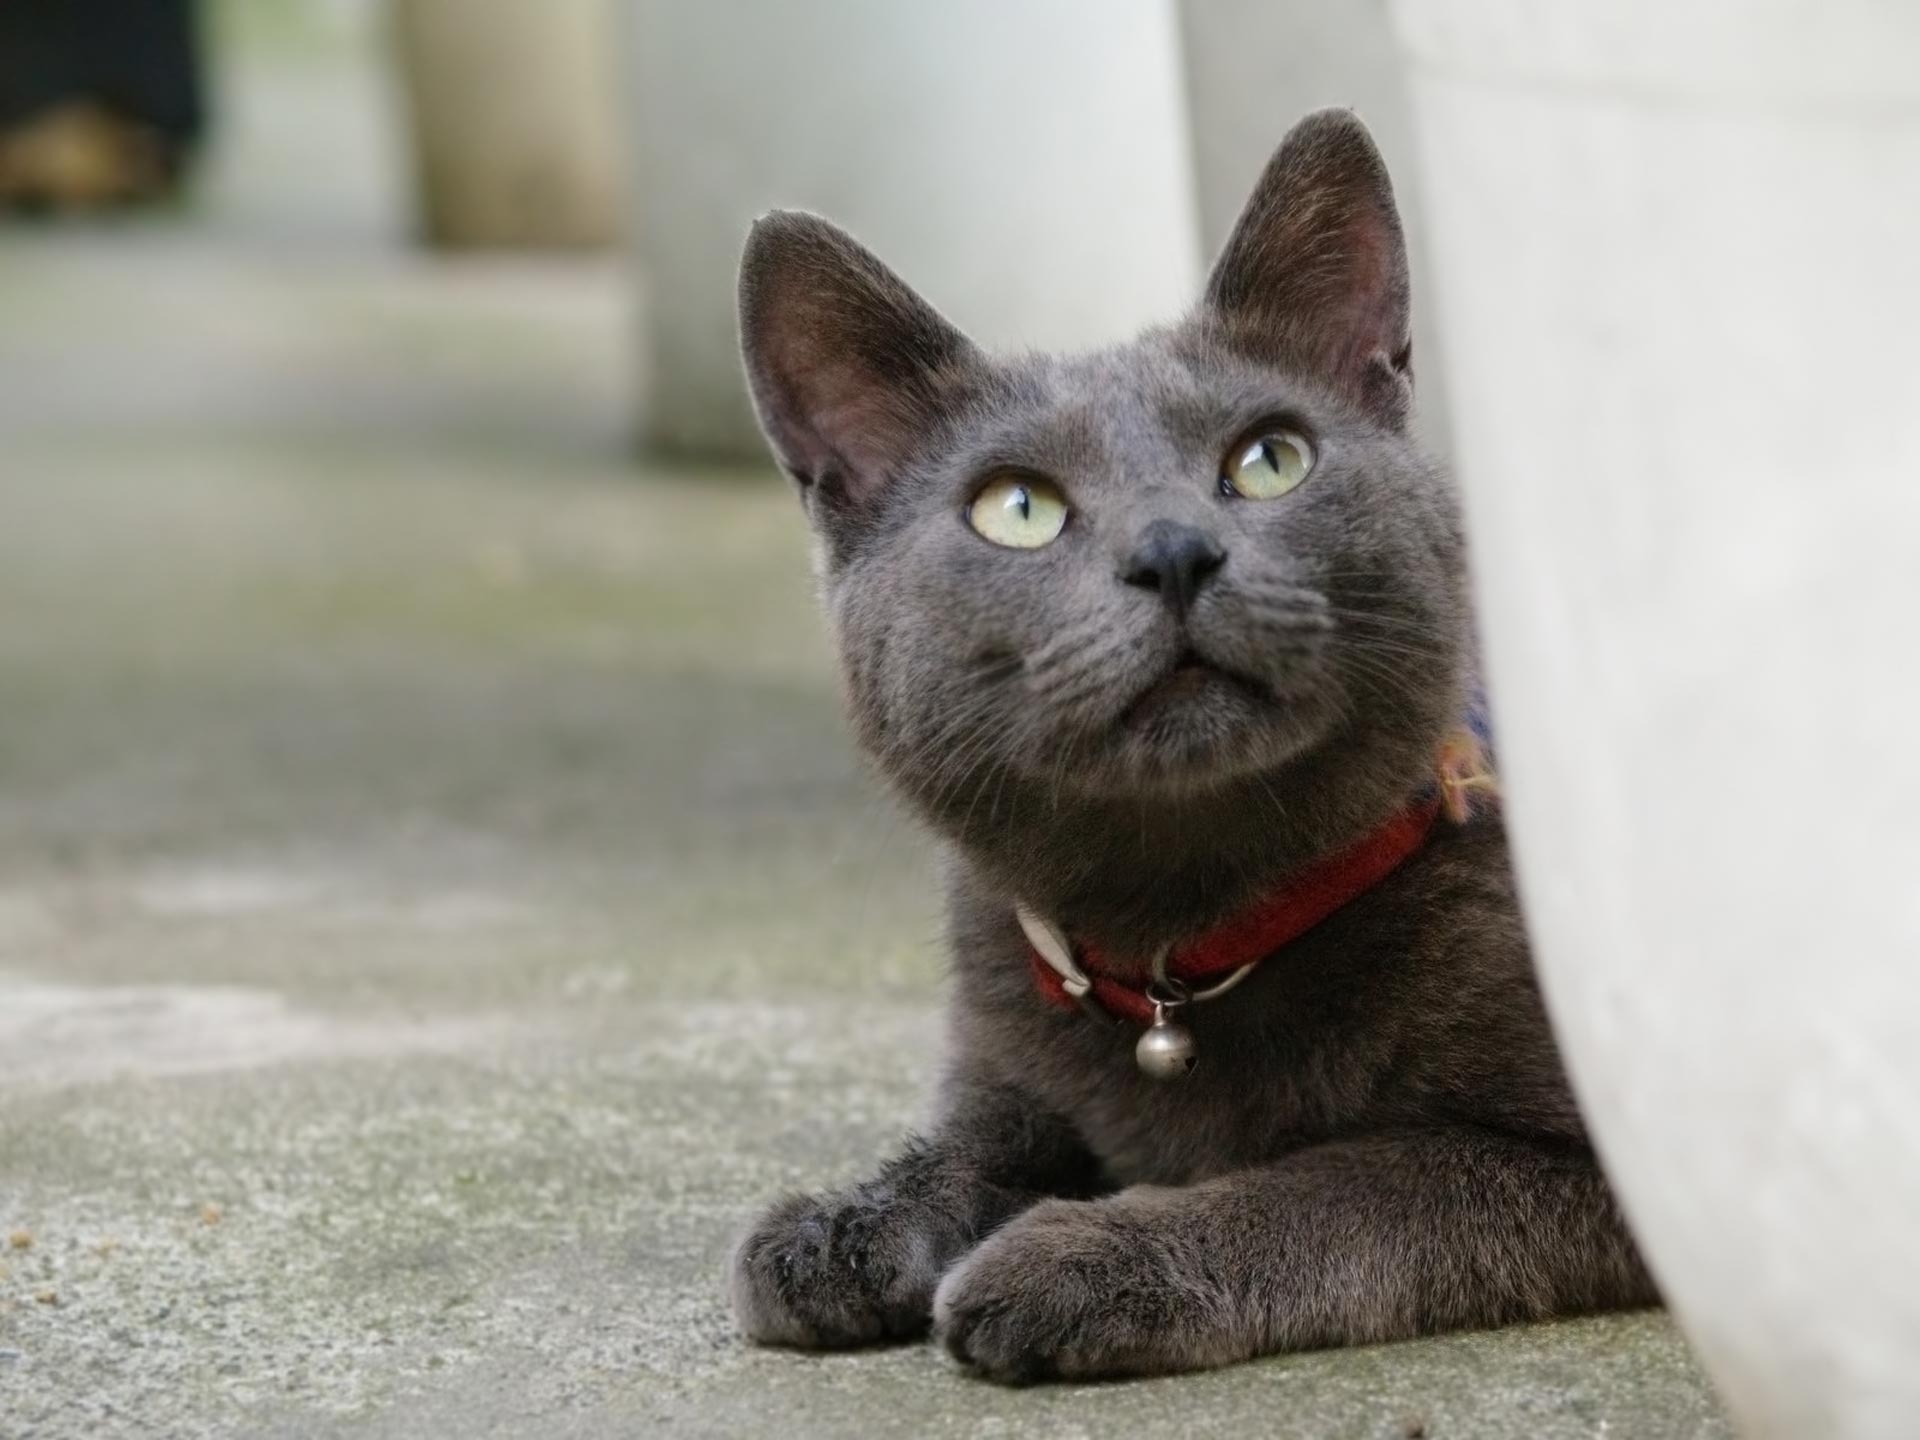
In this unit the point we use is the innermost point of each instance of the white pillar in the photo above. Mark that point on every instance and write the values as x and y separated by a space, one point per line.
1023 163
1677 245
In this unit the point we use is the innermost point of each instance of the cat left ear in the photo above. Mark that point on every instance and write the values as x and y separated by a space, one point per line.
1315 272
850 370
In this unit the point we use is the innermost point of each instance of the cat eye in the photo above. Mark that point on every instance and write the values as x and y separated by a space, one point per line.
1268 467
1022 512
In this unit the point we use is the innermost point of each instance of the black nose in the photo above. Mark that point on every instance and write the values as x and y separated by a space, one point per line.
1174 559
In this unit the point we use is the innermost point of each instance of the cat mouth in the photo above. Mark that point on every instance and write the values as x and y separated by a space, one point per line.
1191 677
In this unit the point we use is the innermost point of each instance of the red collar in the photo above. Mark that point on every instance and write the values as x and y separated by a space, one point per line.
1256 932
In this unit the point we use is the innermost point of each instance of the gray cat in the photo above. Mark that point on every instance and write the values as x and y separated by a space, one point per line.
1158 639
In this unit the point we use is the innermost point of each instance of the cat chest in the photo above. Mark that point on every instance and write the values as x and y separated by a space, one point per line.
1252 1097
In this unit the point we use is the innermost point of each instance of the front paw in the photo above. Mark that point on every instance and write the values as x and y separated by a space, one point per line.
1075 1288
829 1271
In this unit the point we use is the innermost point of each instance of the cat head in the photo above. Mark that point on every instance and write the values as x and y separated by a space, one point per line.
1184 566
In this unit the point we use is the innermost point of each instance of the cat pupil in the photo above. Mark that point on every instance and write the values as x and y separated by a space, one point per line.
1023 502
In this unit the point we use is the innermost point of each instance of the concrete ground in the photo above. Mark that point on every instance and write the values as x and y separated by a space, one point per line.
438 903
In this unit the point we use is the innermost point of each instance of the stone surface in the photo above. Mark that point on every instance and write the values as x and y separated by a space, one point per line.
437 901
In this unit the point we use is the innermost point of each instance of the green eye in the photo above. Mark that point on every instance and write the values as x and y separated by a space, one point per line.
1269 467
1022 512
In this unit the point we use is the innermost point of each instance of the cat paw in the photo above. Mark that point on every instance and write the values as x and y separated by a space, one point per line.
824 1272
1073 1289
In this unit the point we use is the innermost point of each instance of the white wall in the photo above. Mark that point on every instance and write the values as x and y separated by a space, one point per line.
1679 259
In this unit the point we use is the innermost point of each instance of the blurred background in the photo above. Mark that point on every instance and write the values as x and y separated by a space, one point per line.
438 900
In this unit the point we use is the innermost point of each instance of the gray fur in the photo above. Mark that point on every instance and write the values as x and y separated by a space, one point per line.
1380 1140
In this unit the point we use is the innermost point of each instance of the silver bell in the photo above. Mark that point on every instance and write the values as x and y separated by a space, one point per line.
1165 1052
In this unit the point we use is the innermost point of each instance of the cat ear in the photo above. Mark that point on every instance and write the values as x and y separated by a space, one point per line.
849 369
1315 272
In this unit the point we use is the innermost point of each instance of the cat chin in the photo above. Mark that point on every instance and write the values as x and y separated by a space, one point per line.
1197 737
1194 693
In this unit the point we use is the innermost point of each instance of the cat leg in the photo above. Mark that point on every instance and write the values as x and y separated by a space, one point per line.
860 1265
1343 1243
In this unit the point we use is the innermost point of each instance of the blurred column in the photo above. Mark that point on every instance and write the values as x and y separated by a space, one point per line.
515 120
1253 67
1024 163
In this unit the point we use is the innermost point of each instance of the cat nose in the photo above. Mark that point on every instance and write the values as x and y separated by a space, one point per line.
1174 559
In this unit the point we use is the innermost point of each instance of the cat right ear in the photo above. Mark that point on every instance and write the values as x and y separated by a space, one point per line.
1315 272
849 369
